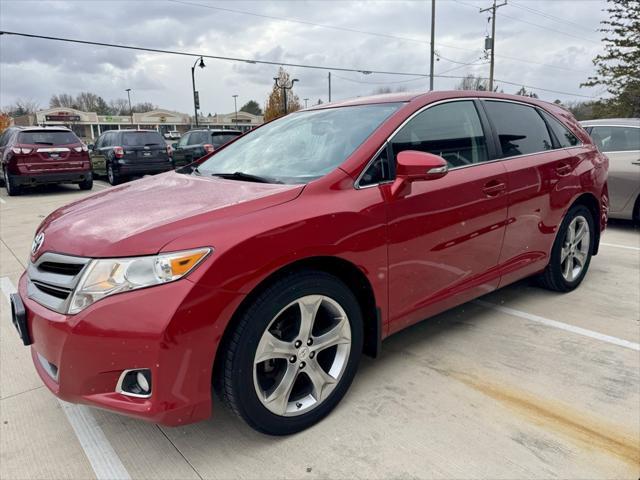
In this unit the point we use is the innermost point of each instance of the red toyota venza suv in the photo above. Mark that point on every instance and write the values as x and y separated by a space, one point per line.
267 271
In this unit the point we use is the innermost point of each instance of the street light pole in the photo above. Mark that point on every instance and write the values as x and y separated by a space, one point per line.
196 97
235 106
433 39
284 87
128 90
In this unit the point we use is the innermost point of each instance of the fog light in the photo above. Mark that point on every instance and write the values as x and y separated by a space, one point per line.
135 383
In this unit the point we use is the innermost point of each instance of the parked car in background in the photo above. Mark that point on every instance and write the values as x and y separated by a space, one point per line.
172 135
195 144
32 156
619 138
276 263
120 154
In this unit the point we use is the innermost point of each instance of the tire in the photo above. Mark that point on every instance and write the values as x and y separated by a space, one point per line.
570 259
10 184
87 183
245 381
112 176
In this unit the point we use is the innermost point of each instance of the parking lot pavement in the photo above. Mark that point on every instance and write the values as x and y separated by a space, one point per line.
523 383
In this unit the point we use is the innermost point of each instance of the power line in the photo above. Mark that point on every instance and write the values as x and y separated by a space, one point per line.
378 83
214 57
266 62
563 21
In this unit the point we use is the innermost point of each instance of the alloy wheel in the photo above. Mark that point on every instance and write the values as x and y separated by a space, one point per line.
110 175
575 248
302 355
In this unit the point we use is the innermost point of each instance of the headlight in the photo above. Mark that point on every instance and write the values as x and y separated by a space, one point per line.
104 277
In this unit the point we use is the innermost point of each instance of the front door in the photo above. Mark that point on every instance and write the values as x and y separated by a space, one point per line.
445 235
97 155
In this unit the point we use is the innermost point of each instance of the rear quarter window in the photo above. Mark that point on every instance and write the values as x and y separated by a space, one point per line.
520 129
563 134
47 137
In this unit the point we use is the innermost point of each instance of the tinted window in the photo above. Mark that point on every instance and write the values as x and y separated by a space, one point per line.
301 146
520 129
616 139
220 139
47 137
4 138
451 130
133 139
184 140
378 171
562 133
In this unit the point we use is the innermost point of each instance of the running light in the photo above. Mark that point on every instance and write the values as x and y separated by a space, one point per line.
108 276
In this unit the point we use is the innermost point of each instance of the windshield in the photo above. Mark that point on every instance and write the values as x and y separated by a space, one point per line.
132 139
48 137
302 146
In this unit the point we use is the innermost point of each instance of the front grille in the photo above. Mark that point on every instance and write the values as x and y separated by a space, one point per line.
52 278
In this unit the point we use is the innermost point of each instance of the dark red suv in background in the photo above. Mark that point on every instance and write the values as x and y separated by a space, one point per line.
271 267
32 156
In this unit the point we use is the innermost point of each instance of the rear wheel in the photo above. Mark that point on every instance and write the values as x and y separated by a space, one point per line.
571 252
112 176
293 353
10 184
87 183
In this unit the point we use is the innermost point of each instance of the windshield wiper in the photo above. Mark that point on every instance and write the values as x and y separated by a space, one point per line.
245 176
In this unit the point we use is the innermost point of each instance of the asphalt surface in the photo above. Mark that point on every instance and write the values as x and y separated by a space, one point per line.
524 383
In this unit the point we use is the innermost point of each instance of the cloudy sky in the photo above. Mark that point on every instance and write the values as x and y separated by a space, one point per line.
543 43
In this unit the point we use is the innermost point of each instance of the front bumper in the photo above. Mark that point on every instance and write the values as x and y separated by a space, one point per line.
25 179
171 329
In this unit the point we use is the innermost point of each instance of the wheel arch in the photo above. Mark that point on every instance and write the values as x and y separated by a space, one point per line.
590 201
346 271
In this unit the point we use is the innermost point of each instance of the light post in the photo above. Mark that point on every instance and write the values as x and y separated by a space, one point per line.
306 101
128 90
235 107
284 87
196 98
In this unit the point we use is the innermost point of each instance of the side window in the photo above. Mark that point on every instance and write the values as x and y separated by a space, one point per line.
184 140
451 130
378 171
4 138
562 133
616 139
520 129
99 142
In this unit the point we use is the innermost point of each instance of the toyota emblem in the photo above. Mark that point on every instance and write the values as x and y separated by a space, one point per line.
37 243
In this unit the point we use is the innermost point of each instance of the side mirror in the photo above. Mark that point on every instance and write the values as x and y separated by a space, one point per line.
413 166
90 146
174 145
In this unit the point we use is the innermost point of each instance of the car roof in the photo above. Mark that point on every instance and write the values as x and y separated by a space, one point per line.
39 129
131 130
214 130
435 96
634 122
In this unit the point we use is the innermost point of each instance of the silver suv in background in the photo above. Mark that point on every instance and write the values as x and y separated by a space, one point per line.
619 139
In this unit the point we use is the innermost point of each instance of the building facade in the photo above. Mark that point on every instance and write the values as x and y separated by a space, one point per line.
89 125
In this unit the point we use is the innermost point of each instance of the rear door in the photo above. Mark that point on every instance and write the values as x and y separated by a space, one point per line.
445 235
180 152
541 183
97 154
144 148
622 145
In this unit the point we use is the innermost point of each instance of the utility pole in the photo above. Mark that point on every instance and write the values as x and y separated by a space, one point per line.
433 38
492 42
235 107
329 87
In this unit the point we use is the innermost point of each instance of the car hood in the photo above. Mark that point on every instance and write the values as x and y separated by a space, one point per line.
140 217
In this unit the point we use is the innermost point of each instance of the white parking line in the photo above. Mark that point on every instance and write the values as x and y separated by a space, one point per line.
103 459
563 326
620 246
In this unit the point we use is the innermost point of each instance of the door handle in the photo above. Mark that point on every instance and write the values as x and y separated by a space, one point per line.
563 169
637 162
493 188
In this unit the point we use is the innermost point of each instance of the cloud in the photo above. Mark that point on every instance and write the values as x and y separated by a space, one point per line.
37 69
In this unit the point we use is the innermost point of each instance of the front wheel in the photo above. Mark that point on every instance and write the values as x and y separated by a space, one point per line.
293 353
571 252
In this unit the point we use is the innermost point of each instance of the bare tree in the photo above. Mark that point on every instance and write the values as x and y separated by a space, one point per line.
63 100
22 107
471 82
